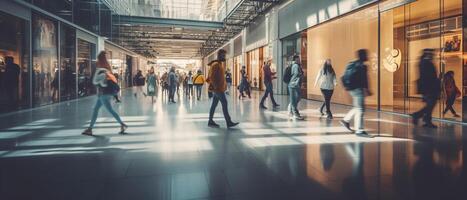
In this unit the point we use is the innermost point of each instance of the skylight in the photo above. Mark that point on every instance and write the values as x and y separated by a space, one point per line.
204 10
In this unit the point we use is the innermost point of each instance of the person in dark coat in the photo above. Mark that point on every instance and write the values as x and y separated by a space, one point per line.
451 91
11 76
268 77
429 86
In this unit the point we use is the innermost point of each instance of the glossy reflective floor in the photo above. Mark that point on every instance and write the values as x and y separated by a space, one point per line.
170 153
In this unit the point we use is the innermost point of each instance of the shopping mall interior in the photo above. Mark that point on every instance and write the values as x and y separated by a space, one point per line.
163 56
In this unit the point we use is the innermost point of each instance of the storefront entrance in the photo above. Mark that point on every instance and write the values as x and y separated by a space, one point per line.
291 46
254 65
86 67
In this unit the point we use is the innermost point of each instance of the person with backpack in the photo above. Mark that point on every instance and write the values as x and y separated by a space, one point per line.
429 86
268 77
355 80
218 86
107 87
294 76
198 81
326 79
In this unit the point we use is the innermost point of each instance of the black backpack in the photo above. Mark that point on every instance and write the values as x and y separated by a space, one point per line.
351 75
112 87
287 74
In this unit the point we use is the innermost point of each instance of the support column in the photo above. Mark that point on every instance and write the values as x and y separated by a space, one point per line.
464 61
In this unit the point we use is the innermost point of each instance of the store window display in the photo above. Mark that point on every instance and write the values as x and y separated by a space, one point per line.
338 40
14 73
86 67
45 61
409 29
67 63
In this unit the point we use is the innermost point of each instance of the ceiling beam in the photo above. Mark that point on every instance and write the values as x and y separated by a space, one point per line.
137 20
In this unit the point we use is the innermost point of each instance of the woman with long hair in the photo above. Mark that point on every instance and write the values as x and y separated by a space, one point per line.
326 79
451 91
102 79
151 84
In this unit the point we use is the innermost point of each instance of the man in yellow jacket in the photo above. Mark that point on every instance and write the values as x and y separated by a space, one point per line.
218 86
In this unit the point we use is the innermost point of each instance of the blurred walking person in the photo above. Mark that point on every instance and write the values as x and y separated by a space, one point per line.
355 80
138 81
179 82
11 81
228 79
451 91
107 86
243 83
268 77
294 86
173 83
189 81
151 87
218 86
326 79
198 82
429 86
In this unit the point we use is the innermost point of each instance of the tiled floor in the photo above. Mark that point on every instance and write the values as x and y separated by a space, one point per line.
170 153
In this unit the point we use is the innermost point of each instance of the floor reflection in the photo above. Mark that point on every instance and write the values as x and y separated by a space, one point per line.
169 153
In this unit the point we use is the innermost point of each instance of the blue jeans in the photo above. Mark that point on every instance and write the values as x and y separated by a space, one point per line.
358 102
294 95
104 100
199 89
268 92
172 90
219 96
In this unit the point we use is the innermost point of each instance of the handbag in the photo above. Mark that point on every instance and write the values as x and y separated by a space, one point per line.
112 88
150 88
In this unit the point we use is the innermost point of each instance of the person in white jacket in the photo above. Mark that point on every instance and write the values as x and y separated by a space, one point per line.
100 80
326 79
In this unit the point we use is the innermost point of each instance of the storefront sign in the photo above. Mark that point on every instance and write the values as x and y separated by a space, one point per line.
392 60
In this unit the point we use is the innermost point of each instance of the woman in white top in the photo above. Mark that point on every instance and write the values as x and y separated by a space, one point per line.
326 79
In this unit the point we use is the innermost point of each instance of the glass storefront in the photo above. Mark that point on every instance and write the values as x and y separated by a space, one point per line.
67 63
129 71
237 66
338 41
296 45
86 67
395 38
119 64
14 81
45 76
254 61
405 31
44 60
